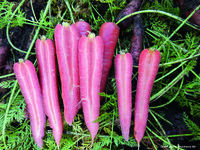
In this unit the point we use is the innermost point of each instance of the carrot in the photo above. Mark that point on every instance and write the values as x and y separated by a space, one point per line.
187 7
28 81
148 67
133 6
83 27
123 73
45 52
66 41
4 48
90 68
137 40
109 32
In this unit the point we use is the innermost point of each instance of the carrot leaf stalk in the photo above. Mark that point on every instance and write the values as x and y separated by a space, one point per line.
66 41
28 81
45 52
123 74
90 68
147 70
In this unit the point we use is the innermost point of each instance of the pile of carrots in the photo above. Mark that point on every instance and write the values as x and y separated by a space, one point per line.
84 62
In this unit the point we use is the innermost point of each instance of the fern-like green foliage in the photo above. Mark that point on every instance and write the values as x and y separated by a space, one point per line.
7 84
5 13
194 128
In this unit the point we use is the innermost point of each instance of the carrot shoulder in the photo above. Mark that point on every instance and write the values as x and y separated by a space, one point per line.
123 74
28 81
66 40
83 27
45 52
90 68
147 70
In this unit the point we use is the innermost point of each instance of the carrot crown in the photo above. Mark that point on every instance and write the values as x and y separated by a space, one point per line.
65 24
91 35
43 37
152 50
21 60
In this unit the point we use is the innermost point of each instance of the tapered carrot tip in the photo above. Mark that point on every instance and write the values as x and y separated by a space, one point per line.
138 146
126 136
39 142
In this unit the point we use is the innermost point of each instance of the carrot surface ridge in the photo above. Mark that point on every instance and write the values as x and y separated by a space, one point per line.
45 52
123 74
28 81
147 70
66 40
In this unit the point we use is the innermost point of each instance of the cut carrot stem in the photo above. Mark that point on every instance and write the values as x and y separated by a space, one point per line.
123 74
90 68
28 81
45 52
66 40
147 70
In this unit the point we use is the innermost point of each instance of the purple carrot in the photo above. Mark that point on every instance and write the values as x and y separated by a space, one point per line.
187 7
148 67
83 27
66 40
45 52
137 40
133 6
90 68
28 81
123 74
4 48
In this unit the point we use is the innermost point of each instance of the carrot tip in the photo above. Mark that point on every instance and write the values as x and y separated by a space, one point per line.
138 145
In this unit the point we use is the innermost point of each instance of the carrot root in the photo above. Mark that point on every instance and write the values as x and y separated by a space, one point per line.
123 74
28 81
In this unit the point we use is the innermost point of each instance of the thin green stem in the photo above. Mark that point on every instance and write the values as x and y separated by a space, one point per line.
180 60
7 75
195 74
38 29
70 11
6 114
33 11
160 12
175 31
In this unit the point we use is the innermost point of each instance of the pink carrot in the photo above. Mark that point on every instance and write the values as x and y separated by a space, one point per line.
109 32
148 67
123 74
90 68
28 81
83 27
45 52
66 40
